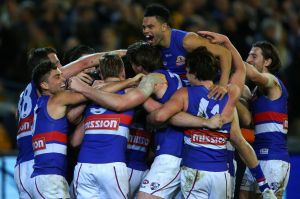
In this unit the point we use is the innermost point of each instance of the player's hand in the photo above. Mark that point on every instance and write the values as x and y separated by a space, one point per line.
213 37
76 84
121 52
98 84
215 122
136 79
85 78
217 92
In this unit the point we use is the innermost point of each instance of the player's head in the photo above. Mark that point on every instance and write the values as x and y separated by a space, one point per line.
201 65
264 55
35 56
47 77
144 57
111 65
77 52
155 23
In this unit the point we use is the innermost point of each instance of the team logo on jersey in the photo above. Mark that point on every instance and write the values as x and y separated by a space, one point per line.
180 60
199 137
138 137
25 124
38 144
146 181
154 185
102 123
264 151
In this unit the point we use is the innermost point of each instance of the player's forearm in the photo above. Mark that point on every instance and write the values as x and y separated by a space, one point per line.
151 105
225 65
116 86
105 99
183 119
74 114
80 64
239 74
245 117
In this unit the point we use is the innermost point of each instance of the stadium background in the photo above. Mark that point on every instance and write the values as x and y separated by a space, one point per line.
107 25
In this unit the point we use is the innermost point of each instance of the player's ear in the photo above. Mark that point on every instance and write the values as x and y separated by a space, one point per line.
164 26
268 62
44 85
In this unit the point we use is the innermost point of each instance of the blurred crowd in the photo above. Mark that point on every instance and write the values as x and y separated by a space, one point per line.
107 25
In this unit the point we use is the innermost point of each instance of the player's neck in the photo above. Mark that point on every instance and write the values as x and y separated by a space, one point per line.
207 83
112 79
166 38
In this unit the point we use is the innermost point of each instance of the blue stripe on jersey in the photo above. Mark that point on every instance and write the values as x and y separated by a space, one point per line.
25 149
206 159
136 160
100 149
46 163
271 149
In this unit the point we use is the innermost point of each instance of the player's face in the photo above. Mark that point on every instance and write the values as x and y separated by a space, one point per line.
190 77
256 59
55 81
54 59
153 30
122 75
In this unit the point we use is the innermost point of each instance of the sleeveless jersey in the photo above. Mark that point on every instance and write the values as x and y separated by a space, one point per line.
169 140
106 134
270 125
49 141
174 55
205 149
27 102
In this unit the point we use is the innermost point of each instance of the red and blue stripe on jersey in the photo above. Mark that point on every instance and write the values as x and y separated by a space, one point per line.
205 149
49 142
169 140
27 102
106 134
270 118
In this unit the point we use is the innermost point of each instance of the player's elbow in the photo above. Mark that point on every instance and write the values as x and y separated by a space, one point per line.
159 118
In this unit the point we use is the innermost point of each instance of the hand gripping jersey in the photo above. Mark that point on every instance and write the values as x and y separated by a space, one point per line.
49 142
271 124
169 140
137 147
174 56
106 134
205 149
27 102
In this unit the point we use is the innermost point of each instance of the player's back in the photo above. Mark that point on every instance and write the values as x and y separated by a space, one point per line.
205 149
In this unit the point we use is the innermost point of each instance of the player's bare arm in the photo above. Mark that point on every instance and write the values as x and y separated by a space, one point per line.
113 87
245 150
57 104
267 82
193 41
118 102
84 62
174 111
